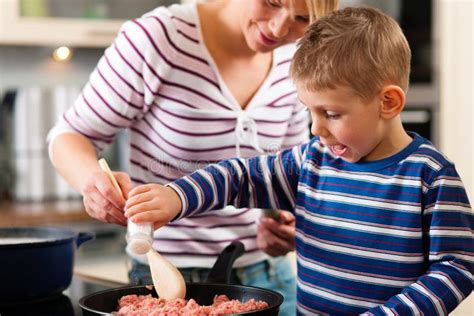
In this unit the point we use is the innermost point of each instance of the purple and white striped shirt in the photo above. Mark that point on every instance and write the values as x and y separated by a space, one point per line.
158 80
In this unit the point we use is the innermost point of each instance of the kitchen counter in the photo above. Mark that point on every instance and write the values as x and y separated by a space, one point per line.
41 213
109 267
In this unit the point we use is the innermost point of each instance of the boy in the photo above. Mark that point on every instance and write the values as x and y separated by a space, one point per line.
384 226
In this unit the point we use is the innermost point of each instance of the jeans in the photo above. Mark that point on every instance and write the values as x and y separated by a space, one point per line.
274 274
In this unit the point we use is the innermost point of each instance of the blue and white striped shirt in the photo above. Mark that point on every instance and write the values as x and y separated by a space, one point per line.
385 237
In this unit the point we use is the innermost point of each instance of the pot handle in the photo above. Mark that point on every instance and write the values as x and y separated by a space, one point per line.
221 271
83 237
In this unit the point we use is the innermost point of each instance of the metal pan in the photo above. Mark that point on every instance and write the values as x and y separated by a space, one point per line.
105 302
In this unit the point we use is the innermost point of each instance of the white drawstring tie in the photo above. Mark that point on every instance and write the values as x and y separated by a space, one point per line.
246 132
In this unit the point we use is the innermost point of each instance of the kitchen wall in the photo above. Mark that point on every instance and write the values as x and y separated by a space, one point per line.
456 86
456 38
27 65
27 174
44 88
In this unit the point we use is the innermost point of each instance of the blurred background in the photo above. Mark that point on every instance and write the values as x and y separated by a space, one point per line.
49 47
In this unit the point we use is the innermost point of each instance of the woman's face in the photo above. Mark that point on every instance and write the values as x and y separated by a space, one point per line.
268 24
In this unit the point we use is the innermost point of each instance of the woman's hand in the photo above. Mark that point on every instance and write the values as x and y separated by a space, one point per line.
277 238
153 203
101 199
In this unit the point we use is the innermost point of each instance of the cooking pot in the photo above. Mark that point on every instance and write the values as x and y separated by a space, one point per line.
36 262
106 302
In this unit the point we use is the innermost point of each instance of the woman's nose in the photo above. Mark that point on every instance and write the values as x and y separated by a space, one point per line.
280 24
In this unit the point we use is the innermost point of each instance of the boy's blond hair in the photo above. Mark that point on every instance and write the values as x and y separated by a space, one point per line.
361 48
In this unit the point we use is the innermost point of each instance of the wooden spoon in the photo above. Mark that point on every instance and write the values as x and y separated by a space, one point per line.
167 280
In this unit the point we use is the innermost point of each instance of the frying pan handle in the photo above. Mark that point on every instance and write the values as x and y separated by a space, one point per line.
221 271
83 237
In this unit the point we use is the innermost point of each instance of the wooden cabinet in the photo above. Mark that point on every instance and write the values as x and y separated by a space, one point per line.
57 23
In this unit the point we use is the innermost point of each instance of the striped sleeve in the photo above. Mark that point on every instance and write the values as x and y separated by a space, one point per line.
448 222
122 87
261 182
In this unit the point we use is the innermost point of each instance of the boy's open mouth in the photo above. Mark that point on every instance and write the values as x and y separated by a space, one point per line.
338 150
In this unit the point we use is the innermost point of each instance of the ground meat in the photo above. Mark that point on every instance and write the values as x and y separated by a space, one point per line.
146 305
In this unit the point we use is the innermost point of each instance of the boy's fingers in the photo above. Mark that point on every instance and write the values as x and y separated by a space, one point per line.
138 190
137 208
158 218
138 199
143 205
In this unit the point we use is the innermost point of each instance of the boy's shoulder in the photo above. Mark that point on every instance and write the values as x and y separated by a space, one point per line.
428 153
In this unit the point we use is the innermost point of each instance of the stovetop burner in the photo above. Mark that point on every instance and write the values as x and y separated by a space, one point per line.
66 304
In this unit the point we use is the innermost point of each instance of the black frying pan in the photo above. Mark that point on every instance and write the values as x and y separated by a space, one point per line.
105 302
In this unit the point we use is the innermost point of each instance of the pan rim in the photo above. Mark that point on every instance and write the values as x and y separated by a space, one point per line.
277 295
67 236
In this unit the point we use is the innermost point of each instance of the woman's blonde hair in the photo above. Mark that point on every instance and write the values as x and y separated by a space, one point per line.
319 8
361 48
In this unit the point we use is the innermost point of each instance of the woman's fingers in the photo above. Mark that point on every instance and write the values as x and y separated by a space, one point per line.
272 245
102 201
276 238
287 218
103 210
124 182
281 230
108 191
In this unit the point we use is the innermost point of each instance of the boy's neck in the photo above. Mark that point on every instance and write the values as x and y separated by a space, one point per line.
396 139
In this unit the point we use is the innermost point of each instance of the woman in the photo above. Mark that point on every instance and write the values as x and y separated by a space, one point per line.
194 84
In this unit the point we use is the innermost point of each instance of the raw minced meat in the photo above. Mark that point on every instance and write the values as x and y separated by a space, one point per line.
146 305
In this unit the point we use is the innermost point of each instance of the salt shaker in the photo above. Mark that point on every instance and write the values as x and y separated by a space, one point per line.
139 237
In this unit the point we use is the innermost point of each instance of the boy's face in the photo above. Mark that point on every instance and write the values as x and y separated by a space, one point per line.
349 126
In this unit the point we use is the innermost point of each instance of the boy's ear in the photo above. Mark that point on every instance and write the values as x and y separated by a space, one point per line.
392 100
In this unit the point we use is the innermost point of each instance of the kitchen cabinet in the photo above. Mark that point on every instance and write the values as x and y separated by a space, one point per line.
76 23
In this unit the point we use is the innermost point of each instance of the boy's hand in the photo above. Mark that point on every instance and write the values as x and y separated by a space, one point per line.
153 203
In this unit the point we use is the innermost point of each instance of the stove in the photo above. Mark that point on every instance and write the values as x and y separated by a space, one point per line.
66 304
